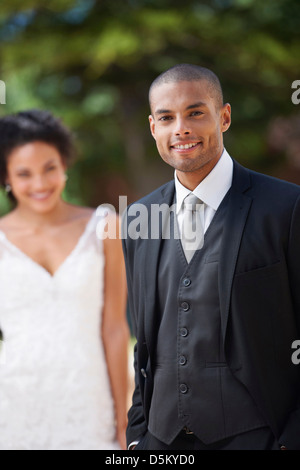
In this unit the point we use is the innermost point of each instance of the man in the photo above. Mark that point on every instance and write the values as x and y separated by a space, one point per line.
214 322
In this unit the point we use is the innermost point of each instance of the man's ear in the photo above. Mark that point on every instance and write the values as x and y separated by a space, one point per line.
152 125
225 117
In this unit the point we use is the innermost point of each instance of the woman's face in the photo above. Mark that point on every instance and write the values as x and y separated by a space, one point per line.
36 174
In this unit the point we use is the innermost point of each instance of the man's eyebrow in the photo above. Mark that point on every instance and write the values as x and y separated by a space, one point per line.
162 111
199 104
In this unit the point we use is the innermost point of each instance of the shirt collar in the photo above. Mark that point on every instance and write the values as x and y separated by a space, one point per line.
213 188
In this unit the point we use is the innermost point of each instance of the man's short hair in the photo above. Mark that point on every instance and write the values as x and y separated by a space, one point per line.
189 72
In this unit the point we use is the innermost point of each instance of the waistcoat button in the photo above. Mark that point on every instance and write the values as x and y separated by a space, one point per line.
185 306
182 360
186 282
183 388
183 331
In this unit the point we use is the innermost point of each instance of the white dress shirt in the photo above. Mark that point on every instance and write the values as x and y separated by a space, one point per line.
211 191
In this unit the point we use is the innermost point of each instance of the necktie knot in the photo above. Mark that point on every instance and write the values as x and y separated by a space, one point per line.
191 202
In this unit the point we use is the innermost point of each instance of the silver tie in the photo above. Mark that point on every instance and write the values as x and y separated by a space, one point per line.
192 231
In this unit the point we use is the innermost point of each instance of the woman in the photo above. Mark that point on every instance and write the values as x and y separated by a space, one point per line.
63 372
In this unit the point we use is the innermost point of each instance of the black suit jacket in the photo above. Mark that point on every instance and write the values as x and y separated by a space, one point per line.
259 288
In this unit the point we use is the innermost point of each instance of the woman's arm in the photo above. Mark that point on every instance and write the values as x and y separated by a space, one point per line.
115 331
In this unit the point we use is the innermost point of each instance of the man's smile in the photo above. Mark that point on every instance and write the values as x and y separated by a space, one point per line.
185 147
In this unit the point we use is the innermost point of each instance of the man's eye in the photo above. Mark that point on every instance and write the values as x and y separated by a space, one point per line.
165 118
196 113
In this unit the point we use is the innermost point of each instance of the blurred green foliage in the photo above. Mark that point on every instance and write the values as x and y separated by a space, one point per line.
91 63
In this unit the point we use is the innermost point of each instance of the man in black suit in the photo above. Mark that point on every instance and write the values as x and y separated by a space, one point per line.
213 286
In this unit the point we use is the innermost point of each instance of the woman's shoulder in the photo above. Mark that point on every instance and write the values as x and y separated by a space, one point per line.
7 226
79 215
80 212
7 222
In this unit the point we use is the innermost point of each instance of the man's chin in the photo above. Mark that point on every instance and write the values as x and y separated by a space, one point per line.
188 168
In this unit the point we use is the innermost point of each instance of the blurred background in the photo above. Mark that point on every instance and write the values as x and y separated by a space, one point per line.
91 63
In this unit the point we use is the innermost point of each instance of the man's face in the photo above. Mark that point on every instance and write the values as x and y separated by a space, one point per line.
188 126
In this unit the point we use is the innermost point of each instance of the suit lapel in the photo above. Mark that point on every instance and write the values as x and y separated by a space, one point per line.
152 258
238 209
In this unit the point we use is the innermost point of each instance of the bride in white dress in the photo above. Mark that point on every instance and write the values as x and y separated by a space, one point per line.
63 361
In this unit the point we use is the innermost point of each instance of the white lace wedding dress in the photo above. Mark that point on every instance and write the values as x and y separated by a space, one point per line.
54 386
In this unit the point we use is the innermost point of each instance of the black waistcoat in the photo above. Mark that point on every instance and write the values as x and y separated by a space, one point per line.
193 385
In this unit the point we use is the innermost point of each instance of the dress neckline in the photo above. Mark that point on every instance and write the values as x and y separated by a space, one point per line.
77 246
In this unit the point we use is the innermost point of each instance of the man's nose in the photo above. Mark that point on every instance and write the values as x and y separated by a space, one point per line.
182 127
